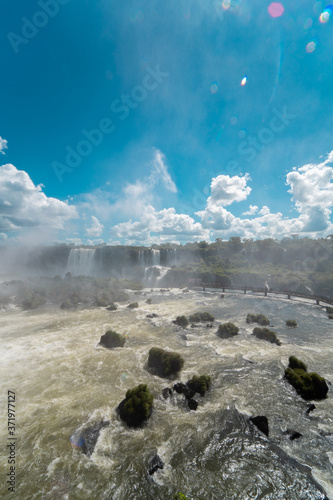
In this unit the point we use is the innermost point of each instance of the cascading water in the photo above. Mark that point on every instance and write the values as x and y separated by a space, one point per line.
81 262
156 257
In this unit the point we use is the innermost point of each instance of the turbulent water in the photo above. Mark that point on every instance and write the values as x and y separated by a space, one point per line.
64 382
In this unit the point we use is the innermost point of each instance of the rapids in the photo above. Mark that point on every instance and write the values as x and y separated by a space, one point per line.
65 381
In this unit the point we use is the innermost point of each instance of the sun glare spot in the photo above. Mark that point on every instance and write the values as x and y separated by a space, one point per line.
214 88
325 16
226 4
243 82
310 47
275 9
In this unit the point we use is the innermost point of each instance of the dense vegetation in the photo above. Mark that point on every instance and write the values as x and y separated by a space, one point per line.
308 385
181 321
227 330
204 317
257 318
298 264
266 334
136 408
199 384
164 363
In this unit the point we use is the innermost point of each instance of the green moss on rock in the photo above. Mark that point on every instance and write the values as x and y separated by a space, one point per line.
112 307
199 384
292 323
227 330
297 363
136 408
199 317
133 305
257 318
165 363
180 496
266 334
181 321
112 339
307 385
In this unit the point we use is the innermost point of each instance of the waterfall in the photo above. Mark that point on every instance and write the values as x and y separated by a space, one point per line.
171 257
81 262
142 259
156 257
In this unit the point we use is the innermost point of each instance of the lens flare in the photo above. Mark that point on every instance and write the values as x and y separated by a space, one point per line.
243 82
325 16
233 120
226 4
310 47
214 87
275 9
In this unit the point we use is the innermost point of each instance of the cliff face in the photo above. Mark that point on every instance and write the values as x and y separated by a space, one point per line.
301 265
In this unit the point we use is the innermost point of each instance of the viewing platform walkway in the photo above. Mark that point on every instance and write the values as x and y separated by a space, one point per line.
289 294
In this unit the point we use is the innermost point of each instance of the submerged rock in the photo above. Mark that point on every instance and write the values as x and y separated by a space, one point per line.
192 404
154 464
152 315
311 407
292 434
87 439
261 423
167 392
112 339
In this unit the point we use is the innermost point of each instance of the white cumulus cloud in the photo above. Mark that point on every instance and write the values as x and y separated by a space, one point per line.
24 206
96 229
3 145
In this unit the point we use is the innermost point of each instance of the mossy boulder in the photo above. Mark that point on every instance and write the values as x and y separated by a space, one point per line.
181 321
112 307
164 363
257 318
227 330
292 323
136 408
266 334
33 301
307 385
297 363
112 339
133 305
329 310
199 384
203 317
330 316
180 496
66 304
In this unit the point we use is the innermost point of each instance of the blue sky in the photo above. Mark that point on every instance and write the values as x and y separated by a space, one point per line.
128 122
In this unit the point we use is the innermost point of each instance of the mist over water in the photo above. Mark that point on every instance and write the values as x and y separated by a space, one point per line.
65 381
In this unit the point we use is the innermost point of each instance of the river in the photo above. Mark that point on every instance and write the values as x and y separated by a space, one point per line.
64 381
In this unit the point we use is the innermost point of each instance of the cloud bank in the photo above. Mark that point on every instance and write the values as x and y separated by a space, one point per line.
132 217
